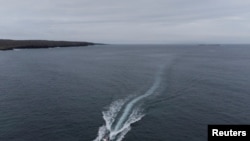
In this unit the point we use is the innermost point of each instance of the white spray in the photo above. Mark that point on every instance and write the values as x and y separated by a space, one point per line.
130 114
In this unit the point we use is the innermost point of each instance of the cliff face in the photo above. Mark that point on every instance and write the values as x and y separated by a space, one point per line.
14 44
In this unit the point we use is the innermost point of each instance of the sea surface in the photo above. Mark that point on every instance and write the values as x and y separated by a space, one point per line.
124 92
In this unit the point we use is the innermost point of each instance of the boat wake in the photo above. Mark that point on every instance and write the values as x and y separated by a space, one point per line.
107 131
122 113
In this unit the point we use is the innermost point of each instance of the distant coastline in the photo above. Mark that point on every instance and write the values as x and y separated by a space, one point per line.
7 44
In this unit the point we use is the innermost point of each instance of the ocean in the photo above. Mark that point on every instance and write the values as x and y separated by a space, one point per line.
123 92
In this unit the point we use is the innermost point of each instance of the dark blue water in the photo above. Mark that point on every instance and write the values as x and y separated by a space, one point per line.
59 94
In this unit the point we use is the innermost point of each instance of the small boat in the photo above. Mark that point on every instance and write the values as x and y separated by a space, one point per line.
106 138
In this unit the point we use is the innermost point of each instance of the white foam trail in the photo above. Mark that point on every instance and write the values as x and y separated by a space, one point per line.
130 114
110 115
135 116
130 105
101 133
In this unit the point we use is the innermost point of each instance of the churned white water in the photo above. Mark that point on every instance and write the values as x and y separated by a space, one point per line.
116 127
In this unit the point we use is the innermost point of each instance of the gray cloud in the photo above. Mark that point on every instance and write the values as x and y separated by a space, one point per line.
131 21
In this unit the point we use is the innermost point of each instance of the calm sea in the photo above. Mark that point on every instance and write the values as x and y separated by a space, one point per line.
61 94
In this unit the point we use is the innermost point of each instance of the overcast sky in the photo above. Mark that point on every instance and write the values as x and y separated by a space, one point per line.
127 21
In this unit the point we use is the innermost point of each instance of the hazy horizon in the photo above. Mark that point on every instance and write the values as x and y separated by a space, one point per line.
128 22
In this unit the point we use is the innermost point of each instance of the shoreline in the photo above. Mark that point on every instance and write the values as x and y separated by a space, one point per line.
7 44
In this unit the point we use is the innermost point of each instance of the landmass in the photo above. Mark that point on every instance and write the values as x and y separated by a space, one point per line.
7 44
209 44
